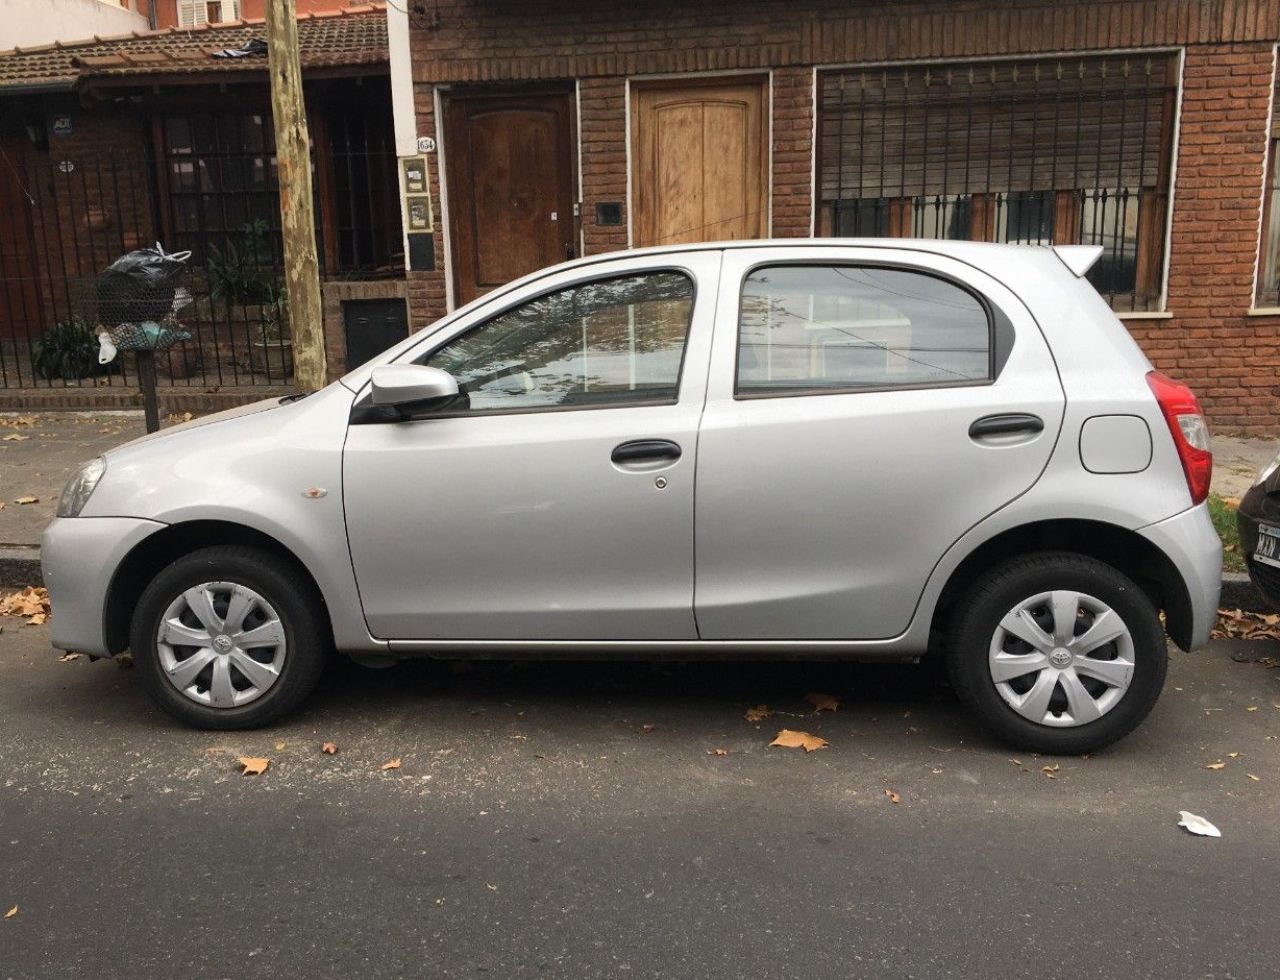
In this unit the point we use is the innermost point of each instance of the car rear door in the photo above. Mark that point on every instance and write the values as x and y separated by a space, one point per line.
558 504
865 407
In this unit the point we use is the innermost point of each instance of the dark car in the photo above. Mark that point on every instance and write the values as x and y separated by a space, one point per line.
1259 521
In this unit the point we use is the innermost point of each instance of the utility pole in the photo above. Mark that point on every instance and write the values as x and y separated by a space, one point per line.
297 221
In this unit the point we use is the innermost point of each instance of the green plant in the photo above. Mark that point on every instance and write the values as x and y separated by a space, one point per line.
1223 515
275 318
67 350
243 272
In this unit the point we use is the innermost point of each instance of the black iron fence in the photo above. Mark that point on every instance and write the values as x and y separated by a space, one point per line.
67 220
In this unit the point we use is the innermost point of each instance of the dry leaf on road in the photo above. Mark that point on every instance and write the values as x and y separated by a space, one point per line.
788 739
717 751
1051 771
647 729
253 766
893 797
759 713
389 764
1216 765
15 437
26 602
66 658
1256 779
822 702
329 748
11 913
28 499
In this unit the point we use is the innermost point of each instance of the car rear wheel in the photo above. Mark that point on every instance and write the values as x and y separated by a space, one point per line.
229 637
1057 653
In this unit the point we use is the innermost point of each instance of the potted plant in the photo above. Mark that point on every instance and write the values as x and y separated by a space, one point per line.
272 352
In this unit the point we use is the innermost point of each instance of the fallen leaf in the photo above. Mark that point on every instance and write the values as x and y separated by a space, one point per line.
759 713
37 620
1256 779
30 601
717 751
788 739
492 888
253 766
15 437
647 729
123 660
11 913
822 702
329 748
1197 825
280 746
1050 771
1233 755
389 764
1253 707
1216 765
28 499
893 797
66 658
1016 762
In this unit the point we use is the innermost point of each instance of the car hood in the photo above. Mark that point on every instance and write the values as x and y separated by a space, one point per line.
252 408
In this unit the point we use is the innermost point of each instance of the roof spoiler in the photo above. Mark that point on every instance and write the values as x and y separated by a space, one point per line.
1079 258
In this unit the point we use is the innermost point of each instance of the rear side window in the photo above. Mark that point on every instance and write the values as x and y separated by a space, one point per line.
820 329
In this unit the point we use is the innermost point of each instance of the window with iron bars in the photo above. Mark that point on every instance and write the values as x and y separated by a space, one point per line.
1047 151
1268 296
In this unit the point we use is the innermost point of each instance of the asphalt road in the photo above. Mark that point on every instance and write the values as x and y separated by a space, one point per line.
573 821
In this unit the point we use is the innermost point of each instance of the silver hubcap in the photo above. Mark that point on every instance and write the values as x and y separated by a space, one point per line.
1062 658
221 644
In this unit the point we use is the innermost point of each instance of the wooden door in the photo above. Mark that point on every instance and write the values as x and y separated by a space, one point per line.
510 187
700 162
20 313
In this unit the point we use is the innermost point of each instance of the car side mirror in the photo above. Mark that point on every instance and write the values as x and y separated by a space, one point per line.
412 388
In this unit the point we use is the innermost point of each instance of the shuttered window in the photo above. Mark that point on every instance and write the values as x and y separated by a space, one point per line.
1051 151
1269 255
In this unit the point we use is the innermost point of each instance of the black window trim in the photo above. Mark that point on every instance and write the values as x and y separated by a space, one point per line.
1000 333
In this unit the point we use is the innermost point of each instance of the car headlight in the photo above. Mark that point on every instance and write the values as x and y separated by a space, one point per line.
76 493
1265 473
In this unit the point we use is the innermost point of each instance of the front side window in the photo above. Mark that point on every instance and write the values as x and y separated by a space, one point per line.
848 328
603 344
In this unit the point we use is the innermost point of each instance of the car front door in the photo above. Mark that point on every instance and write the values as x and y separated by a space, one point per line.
555 500
865 408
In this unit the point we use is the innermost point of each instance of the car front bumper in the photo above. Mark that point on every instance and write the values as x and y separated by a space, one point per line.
1191 543
79 557
1261 505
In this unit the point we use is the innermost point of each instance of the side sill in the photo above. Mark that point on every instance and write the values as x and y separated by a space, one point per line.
880 650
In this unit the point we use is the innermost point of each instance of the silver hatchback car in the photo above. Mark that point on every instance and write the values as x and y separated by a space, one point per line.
858 449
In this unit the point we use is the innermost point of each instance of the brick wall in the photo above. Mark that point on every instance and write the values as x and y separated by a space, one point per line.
1206 338
1230 358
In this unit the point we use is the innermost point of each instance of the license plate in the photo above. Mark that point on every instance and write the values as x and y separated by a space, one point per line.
1267 550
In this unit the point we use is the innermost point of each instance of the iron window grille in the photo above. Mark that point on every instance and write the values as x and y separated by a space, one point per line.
1047 151
1268 294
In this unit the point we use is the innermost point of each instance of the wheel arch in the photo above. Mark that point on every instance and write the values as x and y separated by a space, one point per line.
1125 550
154 552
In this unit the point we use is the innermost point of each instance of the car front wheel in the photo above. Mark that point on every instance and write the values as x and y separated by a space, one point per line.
1057 653
229 637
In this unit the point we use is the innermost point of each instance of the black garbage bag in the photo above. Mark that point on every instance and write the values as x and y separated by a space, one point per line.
140 286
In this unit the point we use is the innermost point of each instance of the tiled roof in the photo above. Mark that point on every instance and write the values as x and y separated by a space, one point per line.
351 36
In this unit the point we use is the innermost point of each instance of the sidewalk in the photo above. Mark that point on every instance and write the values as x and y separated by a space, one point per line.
50 445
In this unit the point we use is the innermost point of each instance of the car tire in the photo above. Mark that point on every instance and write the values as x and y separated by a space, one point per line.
1006 622
257 684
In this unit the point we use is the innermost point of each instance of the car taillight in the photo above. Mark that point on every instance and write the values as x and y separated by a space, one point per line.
1189 430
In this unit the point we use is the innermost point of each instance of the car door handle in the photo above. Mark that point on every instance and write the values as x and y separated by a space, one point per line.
1002 425
645 450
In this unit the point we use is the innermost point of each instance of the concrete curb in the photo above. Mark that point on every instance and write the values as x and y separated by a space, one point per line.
20 566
